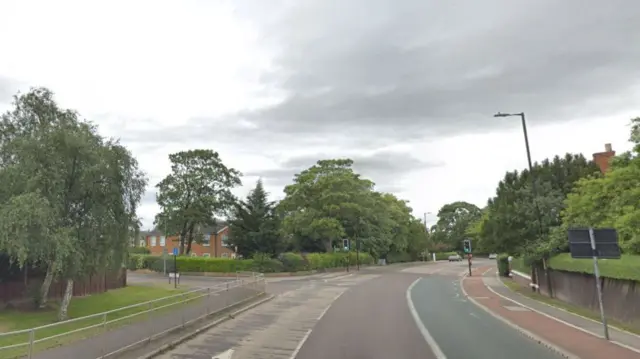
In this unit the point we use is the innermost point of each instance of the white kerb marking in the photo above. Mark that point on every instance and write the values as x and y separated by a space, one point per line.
224 355
299 346
425 333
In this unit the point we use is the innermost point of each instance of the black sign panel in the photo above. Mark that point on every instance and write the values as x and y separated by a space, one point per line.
606 240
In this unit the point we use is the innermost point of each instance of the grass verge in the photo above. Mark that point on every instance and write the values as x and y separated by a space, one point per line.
14 320
527 292
627 267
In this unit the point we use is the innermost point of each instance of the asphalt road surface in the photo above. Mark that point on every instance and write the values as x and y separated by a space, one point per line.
392 312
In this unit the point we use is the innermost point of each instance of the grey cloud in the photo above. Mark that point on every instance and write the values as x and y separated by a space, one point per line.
429 68
385 168
366 73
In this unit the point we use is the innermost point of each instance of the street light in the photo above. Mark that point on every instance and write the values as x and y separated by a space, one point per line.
531 174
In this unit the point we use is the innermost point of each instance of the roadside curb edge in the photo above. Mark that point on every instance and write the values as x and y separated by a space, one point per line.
518 328
166 347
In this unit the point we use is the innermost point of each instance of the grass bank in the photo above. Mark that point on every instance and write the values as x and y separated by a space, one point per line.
14 320
627 267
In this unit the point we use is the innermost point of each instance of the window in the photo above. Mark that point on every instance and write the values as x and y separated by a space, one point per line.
206 255
143 243
162 241
206 240
225 255
225 240
152 241
194 254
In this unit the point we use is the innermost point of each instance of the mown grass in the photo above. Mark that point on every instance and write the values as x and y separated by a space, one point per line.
14 320
627 267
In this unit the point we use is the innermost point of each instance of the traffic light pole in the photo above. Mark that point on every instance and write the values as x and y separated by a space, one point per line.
466 245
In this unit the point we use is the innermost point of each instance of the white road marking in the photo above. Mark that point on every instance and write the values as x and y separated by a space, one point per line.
329 306
425 333
474 315
224 355
300 344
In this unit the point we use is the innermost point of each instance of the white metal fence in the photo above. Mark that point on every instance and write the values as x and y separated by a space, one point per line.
108 333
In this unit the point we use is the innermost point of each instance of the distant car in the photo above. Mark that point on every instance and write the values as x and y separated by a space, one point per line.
493 256
455 258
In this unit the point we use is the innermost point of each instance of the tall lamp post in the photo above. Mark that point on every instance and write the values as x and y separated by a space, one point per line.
531 174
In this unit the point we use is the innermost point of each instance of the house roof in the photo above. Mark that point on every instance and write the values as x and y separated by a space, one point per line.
220 225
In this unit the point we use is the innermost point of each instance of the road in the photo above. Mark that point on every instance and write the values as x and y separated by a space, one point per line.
404 313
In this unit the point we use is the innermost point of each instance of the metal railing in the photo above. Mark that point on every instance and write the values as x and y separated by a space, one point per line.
108 333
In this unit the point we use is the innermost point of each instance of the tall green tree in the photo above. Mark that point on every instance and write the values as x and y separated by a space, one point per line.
608 201
517 220
254 225
453 221
69 197
196 191
324 205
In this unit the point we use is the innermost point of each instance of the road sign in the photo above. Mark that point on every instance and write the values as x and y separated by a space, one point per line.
175 251
595 243
606 243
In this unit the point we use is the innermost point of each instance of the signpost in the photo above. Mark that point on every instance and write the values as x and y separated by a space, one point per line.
175 268
595 243
466 244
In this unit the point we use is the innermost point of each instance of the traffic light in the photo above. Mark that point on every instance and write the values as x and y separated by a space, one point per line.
467 246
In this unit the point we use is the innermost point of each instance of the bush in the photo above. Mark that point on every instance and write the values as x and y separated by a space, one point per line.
136 261
503 264
139 250
398 257
294 262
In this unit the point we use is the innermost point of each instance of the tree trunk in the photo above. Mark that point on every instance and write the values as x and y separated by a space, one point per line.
327 245
44 289
190 238
66 299
183 237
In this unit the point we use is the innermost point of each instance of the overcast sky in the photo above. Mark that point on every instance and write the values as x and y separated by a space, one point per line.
406 88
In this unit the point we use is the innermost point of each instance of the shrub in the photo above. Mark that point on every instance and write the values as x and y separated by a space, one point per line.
503 264
398 257
139 250
293 262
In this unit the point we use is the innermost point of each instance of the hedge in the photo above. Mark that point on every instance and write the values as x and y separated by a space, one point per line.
287 262
626 268
503 264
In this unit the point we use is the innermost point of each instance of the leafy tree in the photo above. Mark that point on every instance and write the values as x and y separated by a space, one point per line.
453 221
517 220
69 197
196 191
322 204
254 225
608 201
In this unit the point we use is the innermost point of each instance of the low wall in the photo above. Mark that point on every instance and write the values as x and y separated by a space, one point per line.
620 297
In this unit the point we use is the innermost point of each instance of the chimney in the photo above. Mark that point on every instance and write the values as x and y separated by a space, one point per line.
602 158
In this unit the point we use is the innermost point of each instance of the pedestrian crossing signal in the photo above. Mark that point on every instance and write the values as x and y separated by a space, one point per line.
467 246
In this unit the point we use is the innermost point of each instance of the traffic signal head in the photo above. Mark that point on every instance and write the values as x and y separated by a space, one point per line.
467 245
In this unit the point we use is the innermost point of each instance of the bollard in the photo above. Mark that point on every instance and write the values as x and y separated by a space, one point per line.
32 337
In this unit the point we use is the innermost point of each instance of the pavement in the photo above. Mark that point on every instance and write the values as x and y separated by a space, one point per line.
572 339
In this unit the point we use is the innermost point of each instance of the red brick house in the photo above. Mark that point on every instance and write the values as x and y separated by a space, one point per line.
214 244
602 158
